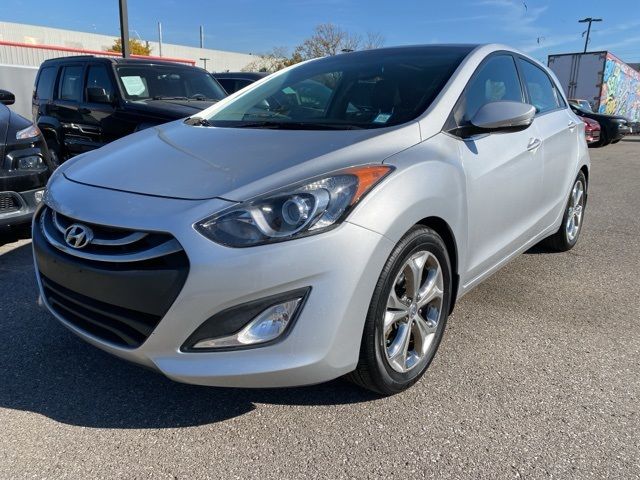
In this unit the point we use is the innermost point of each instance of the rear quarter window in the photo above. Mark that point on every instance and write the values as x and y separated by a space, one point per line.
46 82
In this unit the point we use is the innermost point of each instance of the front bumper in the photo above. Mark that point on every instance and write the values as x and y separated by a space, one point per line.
341 266
16 208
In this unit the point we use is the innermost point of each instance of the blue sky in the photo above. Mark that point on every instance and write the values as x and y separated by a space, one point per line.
536 26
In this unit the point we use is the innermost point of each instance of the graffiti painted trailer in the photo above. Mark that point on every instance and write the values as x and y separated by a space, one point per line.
610 85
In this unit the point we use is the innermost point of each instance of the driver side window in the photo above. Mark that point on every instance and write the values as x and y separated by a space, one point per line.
495 80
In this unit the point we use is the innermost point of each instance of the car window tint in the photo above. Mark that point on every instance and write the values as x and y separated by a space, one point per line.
496 80
98 77
542 94
229 84
240 84
71 84
46 81
365 90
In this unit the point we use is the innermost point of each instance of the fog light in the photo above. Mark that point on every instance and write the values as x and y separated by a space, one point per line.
32 162
267 326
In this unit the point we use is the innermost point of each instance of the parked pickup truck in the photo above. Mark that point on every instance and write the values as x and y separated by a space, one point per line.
81 103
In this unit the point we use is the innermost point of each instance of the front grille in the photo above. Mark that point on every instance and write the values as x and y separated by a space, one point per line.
108 244
9 202
116 288
117 325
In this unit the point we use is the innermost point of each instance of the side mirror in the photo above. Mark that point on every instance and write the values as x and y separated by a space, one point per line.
504 116
7 98
98 95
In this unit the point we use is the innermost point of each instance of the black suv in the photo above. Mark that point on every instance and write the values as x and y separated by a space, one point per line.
24 165
234 81
82 103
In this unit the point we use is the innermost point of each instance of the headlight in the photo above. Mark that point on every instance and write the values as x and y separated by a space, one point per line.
304 209
30 132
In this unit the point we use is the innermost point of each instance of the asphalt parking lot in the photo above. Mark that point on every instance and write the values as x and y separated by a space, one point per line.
538 377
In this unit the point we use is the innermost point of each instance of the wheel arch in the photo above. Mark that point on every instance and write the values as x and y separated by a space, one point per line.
442 228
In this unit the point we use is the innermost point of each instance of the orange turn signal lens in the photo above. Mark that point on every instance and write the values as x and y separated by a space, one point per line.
368 177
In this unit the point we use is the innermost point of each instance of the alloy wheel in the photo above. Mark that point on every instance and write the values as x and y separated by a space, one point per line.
576 206
413 311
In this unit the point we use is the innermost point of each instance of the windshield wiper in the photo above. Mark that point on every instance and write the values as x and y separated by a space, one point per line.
198 122
298 125
163 97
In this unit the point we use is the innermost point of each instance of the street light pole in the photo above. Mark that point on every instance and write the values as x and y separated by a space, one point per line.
205 61
124 29
588 20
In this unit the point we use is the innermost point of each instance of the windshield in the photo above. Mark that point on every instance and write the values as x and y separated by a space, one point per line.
144 82
369 89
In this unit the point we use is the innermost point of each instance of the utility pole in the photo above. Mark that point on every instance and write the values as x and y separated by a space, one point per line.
124 29
160 38
205 62
588 20
201 36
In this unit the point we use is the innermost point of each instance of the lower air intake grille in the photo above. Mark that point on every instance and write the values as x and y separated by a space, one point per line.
117 325
9 203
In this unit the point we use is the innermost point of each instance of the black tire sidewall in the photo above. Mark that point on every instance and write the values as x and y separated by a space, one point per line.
417 239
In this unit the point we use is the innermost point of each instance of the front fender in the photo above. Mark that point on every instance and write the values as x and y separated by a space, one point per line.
416 190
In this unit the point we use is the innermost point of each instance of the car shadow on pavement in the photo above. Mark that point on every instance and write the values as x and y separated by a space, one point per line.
47 370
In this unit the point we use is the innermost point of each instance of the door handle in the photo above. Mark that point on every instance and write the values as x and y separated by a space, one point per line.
534 143
572 125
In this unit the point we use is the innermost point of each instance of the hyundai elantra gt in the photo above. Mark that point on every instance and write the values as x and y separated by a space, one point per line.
321 222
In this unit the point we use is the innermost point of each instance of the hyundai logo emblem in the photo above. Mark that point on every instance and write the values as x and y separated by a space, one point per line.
78 236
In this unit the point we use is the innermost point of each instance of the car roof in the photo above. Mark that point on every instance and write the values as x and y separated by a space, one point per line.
114 61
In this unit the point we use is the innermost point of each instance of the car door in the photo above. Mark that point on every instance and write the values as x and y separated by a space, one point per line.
503 170
99 109
559 132
66 107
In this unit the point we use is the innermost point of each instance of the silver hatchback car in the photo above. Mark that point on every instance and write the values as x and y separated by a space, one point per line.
321 222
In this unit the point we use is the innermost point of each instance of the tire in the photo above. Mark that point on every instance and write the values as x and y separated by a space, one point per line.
394 358
566 238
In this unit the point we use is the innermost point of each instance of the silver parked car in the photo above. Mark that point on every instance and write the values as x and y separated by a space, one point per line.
321 222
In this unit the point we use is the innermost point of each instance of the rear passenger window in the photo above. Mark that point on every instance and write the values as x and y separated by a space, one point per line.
496 80
98 77
240 84
542 93
46 81
229 84
71 84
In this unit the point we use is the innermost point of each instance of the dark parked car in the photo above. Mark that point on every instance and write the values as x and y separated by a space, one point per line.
82 103
25 166
234 81
612 127
591 131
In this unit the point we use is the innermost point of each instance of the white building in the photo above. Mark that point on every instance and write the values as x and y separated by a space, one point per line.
30 45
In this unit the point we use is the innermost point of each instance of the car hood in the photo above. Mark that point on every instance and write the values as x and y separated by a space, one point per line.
171 108
191 162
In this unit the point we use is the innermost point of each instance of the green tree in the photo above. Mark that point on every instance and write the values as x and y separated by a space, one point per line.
136 47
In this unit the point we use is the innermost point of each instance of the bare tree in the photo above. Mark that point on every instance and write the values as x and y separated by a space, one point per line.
327 39
372 40
330 39
275 60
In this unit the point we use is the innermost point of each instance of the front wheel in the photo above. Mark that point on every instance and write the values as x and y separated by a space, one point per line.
407 314
567 235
